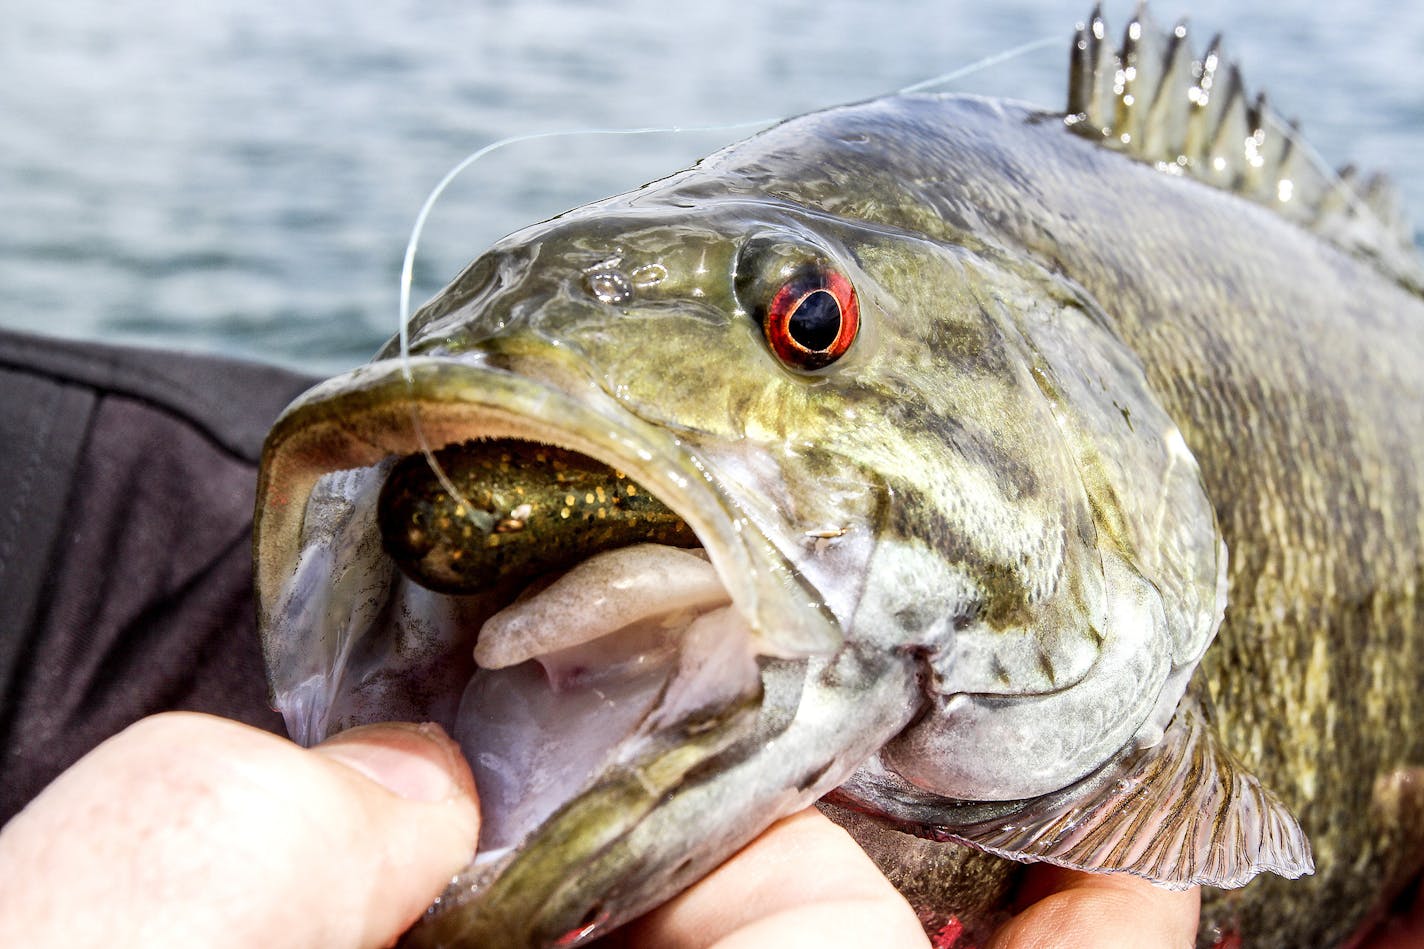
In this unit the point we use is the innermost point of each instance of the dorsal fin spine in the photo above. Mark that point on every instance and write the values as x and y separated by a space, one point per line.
1225 156
1141 74
1166 130
1201 119
1082 70
1264 152
1151 99
1222 85
1103 72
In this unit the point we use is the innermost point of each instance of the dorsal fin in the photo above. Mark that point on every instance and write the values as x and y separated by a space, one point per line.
1153 100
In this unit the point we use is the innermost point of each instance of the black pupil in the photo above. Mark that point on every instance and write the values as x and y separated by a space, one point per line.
816 322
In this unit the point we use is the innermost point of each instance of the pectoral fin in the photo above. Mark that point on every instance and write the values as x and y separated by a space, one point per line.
1179 813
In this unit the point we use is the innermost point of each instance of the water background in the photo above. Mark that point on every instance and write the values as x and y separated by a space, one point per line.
242 177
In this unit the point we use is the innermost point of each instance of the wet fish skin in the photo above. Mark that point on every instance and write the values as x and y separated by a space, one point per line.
1255 335
1292 370
1308 362
1289 367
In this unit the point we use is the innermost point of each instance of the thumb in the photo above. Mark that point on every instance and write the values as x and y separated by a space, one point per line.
1105 910
191 830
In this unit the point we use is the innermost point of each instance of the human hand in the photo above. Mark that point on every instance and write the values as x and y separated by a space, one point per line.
187 829
190 830
805 883
1104 910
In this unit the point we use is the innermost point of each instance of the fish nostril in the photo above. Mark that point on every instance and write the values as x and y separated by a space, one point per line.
609 286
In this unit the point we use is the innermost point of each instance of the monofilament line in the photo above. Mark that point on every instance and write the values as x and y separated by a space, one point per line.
985 63
412 245
408 264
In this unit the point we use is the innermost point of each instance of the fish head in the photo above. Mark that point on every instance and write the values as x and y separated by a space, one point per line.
872 437
658 315
932 421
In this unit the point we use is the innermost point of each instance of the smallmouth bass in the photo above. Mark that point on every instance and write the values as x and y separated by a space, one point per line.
1044 482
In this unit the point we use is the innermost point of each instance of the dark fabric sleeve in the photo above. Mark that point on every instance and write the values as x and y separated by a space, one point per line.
126 493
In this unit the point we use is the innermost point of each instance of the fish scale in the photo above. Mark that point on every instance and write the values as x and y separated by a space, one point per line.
1101 544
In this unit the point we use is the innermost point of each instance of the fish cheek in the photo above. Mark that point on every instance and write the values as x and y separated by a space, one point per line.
1083 748
686 366
1059 647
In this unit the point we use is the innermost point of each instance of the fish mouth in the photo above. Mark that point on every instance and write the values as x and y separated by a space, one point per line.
576 728
394 408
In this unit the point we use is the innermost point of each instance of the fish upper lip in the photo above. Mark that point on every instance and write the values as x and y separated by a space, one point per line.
371 413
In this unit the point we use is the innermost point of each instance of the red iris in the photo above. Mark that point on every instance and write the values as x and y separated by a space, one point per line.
813 319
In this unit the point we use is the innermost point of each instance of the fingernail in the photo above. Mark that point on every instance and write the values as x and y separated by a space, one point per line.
416 762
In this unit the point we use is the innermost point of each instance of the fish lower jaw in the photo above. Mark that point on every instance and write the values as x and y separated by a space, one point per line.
577 674
586 687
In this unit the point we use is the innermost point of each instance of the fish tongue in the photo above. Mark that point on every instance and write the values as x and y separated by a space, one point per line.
629 641
617 590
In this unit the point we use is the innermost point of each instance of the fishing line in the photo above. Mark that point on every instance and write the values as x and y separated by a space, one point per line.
1278 123
463 506
412 245
1297 139
408 264
994 60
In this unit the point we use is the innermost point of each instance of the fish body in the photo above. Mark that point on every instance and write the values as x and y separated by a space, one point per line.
987 427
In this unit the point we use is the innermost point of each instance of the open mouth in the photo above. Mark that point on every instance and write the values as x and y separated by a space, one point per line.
587 668
609 622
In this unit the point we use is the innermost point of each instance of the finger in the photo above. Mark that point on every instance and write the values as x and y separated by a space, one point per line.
1105 910
803 882
1404 930
191 830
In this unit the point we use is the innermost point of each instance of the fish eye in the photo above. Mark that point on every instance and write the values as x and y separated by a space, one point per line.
812 319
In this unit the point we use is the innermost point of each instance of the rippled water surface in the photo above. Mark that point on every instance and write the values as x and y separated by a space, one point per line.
243 177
